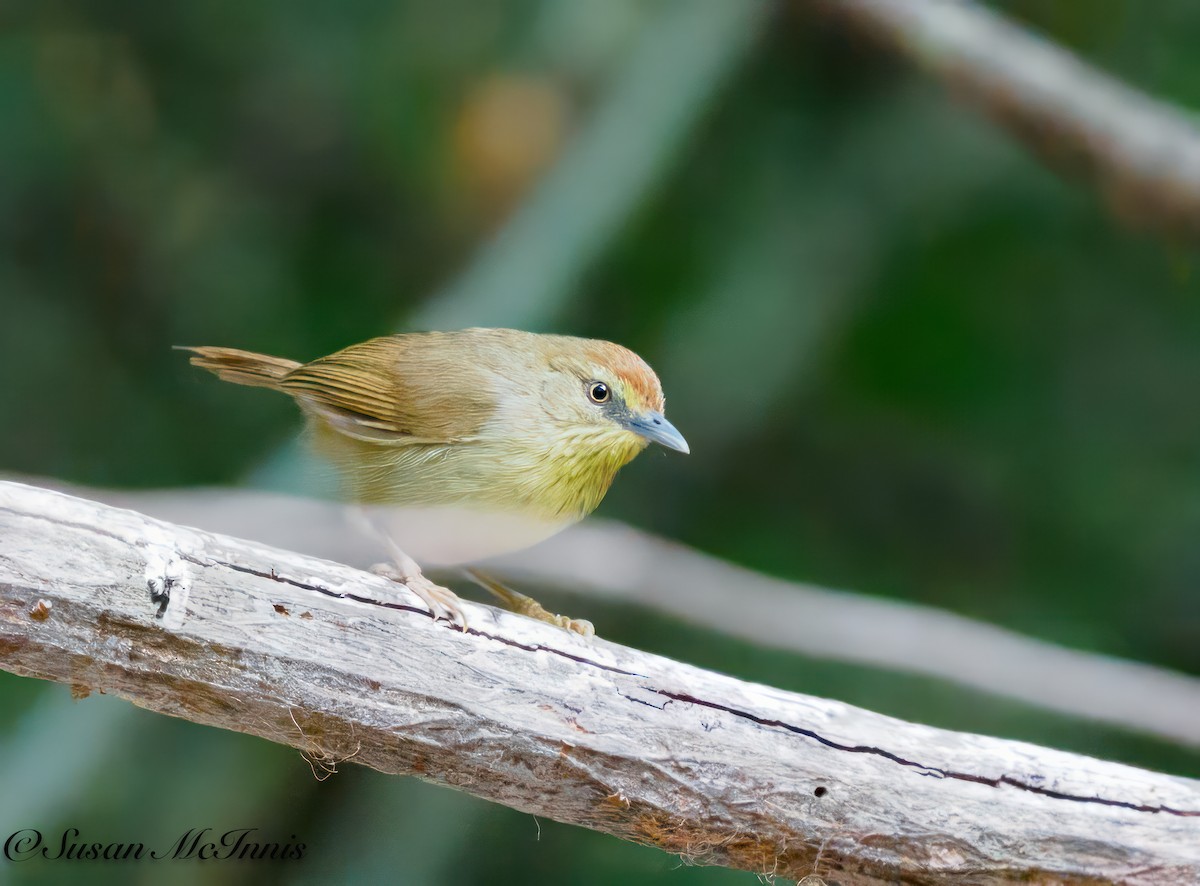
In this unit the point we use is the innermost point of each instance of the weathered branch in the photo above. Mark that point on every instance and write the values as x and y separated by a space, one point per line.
616 561
1142 154
298 651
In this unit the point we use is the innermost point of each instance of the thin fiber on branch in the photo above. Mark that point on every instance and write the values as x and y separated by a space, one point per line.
297 651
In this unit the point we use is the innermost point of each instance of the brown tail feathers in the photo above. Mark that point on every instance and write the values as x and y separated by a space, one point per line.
242 367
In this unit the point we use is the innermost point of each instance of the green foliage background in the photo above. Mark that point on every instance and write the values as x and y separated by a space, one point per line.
910 361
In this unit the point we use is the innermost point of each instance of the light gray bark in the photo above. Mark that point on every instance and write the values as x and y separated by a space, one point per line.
296 650
610 560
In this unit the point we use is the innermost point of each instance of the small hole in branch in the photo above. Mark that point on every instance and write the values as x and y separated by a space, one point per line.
821 791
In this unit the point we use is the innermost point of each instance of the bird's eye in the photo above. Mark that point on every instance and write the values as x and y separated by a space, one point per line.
598 392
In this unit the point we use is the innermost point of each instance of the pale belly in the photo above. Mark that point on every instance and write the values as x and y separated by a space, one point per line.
451 536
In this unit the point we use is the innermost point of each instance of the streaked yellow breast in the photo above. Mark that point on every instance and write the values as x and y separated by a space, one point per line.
561 479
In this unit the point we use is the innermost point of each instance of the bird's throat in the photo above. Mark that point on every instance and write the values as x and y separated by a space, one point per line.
572 478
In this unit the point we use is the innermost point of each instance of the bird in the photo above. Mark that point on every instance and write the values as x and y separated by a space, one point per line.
462 445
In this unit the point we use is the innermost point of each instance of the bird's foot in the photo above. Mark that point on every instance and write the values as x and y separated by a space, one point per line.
442 602
524 605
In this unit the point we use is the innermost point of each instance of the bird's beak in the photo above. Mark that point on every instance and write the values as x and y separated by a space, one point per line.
655 428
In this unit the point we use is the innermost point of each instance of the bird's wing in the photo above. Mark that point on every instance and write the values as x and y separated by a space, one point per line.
399 389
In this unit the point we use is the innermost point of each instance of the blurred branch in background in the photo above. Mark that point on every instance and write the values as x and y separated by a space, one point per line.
524 276
619 562
1142 154
299 651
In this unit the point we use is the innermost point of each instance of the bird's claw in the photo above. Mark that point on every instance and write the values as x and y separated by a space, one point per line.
442 602
525 605
581 626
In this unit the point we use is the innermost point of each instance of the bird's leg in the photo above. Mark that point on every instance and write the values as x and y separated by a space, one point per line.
403 569
519 603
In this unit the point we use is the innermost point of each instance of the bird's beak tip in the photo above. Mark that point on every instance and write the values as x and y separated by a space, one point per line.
654 427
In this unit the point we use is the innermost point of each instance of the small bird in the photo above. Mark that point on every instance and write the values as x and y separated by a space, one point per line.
464 445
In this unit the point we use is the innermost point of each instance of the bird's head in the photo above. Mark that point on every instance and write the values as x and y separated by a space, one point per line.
605 396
